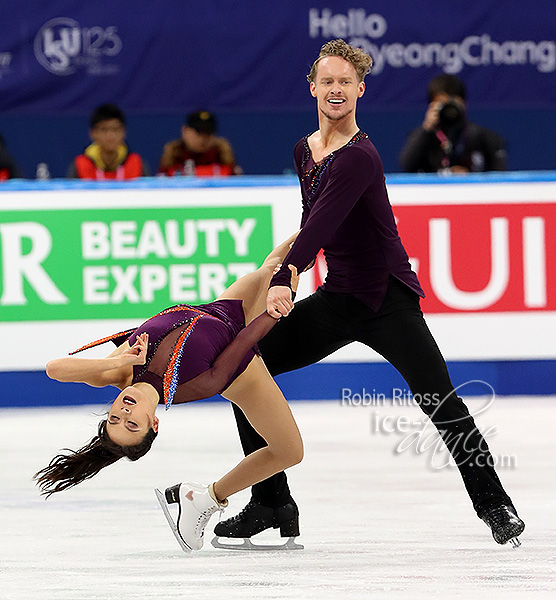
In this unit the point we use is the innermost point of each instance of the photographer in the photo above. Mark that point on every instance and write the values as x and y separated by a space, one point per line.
447 141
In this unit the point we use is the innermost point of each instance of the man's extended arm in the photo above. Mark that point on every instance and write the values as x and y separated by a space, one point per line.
350 175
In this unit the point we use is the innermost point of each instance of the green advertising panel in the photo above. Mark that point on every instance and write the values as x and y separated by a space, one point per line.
124 263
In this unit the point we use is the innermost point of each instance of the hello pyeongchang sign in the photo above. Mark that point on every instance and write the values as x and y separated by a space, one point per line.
480 49
55 63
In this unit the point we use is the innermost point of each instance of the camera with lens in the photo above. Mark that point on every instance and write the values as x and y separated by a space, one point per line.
451 116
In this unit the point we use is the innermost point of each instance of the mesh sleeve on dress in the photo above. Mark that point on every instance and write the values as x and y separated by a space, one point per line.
215 379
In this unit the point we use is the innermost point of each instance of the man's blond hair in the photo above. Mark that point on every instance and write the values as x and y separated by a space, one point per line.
360 60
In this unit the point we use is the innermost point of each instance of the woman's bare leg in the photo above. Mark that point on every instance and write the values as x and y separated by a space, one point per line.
256 393
253 288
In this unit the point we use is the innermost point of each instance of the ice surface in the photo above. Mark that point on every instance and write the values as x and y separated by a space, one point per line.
376 523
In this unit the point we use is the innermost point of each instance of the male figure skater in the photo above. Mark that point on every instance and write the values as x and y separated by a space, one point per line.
370 295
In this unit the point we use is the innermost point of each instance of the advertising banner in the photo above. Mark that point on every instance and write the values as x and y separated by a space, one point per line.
483 257
121 263
68 57
479 258
79 263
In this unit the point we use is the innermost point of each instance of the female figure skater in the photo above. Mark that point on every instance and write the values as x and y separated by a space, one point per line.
186 353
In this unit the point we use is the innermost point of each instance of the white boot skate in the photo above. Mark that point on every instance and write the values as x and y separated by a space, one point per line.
196 506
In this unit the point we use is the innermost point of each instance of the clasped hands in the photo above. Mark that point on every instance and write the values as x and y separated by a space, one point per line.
279 301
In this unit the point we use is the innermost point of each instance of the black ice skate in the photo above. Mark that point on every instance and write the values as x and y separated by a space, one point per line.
505 524
254 519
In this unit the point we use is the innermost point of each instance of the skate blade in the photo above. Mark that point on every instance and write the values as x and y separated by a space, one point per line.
248 545
515 543
163 504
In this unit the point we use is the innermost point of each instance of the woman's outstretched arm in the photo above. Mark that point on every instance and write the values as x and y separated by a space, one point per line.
115 369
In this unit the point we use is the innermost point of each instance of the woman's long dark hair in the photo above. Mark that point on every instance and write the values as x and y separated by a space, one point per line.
67 470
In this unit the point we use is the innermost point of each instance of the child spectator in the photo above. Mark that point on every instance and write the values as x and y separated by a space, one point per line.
108 156
199 151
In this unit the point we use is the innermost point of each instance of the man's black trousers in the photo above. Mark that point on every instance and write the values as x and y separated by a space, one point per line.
326 321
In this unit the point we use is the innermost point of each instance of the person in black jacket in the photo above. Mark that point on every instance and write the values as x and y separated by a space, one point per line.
447 141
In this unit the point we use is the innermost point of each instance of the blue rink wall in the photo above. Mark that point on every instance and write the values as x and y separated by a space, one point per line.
347 382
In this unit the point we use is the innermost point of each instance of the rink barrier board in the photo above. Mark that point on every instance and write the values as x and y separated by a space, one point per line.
15 185
512 364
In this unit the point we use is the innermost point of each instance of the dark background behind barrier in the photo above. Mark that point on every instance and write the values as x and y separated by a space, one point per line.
247 62
263 142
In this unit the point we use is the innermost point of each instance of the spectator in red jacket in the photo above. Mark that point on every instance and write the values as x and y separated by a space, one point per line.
199 151
108 156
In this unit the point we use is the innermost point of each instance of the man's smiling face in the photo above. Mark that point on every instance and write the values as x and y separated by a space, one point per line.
336 88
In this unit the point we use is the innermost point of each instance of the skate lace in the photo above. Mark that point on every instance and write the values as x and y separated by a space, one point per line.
244 512
204 517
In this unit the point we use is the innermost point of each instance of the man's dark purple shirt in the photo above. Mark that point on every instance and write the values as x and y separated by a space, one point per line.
346 212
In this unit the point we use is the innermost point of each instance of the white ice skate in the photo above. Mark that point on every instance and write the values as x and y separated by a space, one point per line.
196 506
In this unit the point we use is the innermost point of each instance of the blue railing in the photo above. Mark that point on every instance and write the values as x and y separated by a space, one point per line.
15 185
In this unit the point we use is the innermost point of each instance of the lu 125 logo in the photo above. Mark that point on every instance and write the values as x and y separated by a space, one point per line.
62 45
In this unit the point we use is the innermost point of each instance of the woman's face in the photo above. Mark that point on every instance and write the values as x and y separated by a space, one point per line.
130 417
